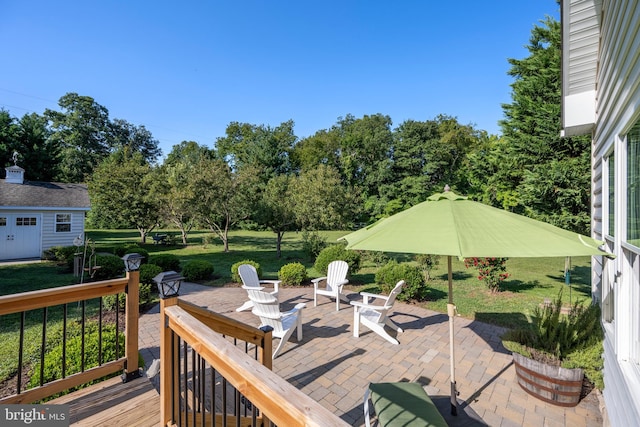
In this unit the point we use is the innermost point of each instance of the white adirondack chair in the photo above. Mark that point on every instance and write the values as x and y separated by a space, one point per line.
250 279
376 317
335 280
267 308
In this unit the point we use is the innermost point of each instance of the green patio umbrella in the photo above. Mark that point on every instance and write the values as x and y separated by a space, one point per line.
452 225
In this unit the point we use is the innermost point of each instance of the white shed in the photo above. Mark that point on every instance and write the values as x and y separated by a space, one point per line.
34 216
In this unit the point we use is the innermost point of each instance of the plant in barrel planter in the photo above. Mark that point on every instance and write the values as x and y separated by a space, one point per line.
553 354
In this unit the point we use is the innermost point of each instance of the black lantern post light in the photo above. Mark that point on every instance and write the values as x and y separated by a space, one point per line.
168 284
132 261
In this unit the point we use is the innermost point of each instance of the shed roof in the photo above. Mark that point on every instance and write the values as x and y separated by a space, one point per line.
44 195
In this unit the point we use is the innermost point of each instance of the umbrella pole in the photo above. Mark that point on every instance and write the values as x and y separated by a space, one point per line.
451 310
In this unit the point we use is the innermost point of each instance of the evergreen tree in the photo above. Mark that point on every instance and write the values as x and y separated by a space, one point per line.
550 174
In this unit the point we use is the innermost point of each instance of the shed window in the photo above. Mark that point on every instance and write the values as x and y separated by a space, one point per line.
63 223
26 221
3 221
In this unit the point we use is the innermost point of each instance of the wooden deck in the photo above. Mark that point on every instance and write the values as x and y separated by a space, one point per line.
114 403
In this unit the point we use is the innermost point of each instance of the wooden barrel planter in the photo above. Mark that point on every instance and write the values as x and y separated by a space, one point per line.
552 384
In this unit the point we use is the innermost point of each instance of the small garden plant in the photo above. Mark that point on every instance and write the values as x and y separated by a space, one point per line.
427 263
492 271
235 277
335 253
572 340
391 273
313 243
197 270
167 262
293 274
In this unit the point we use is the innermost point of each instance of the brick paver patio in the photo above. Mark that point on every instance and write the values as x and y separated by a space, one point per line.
334 368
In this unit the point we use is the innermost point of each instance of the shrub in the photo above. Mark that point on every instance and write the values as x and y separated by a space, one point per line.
560 334
109 302
197 270
391 273
208 239
492 271
148 272
126 248
53 367
337 252
293 274
111 267
235 277
144 297
376 257
147 285
167 262
62 254
313 243
144 294
140 251
384 275
589 358
427 263
574 340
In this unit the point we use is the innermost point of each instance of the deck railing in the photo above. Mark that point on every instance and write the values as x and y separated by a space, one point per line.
214 371
208 380
59 300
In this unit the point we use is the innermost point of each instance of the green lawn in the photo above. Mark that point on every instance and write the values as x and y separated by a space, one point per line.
531 280
259 246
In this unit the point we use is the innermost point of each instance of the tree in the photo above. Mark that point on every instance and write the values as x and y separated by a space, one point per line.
552 175
173 189
39 152
8 137
29 137
189 152
275 209
261 147
137 138
426 156
175 197
81 131
120 192
224 197
320 201
491 175
365 159
321 148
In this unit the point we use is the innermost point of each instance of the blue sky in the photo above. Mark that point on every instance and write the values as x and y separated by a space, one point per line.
185 70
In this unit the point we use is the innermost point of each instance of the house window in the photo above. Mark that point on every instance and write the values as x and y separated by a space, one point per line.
633 273
633 186
63 223
3 221
25 221
611 166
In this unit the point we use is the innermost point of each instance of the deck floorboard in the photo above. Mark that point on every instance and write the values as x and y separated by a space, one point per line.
114 403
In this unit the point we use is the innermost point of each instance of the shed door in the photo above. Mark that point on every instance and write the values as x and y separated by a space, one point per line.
20 235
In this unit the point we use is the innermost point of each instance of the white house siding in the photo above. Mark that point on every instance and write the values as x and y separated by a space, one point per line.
49 236
617 109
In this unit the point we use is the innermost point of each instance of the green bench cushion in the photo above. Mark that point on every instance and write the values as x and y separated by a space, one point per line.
404 404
